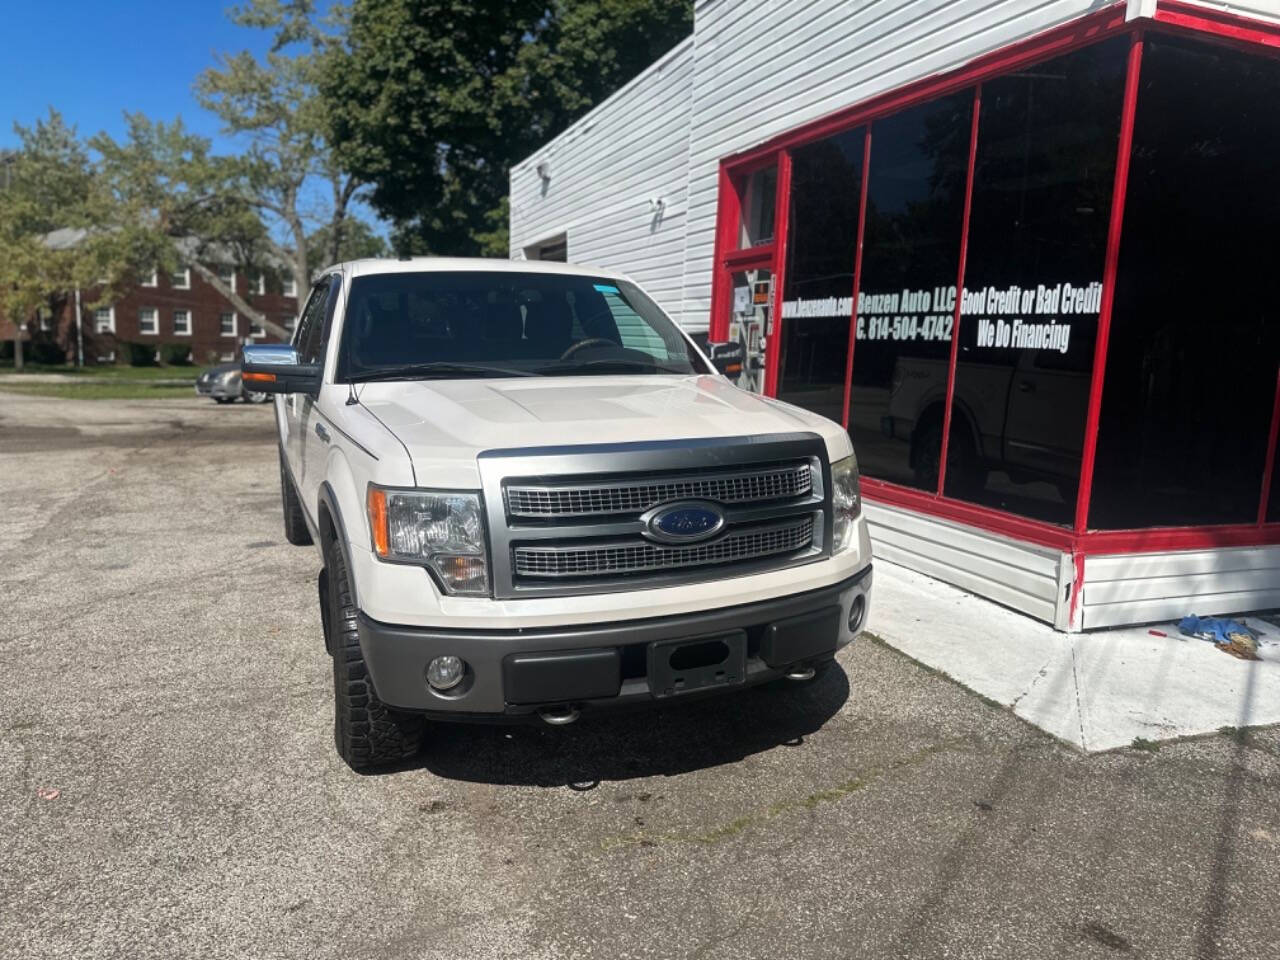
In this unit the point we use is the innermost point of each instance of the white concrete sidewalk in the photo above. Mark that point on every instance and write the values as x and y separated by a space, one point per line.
1097 690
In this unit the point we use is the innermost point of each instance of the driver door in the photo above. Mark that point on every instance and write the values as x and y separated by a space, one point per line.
315 434
292 403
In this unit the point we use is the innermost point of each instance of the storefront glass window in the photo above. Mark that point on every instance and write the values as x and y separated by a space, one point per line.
749 324
1195 331
759 196
817 309
911 252
1043 179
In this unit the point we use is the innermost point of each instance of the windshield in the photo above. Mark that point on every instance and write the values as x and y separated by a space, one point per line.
493 324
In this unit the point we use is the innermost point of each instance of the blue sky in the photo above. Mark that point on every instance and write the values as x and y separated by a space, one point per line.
93 60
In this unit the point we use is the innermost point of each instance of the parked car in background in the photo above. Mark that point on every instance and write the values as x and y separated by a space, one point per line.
533 495
224 384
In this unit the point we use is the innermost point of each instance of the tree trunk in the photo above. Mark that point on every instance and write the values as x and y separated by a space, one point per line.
342 194
17 348
240 303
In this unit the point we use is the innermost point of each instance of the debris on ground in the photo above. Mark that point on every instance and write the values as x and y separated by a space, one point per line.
48 793
1230 636
1242 646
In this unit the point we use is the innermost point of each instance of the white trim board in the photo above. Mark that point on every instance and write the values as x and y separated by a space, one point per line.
1027 578
1145 587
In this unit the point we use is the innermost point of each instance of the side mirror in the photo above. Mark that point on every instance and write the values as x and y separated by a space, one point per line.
726 358
275 368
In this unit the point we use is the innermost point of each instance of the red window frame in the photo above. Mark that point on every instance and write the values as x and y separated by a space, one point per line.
1171 16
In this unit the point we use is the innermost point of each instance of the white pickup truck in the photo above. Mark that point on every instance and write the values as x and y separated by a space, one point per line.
534 496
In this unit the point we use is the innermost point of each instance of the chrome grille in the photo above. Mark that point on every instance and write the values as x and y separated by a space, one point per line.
760 485
613 559
569 521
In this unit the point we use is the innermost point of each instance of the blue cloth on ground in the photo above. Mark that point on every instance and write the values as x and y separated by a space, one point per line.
1213 628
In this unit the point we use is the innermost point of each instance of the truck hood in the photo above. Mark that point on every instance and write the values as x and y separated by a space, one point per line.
443 422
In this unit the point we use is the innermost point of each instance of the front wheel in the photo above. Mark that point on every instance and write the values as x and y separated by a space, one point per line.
367 732
252 396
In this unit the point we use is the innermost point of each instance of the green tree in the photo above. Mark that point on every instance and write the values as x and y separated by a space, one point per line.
83 215
431 101
271 103
51 215
357 242
173 203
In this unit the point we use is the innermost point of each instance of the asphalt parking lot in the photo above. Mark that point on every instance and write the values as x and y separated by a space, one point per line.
169 787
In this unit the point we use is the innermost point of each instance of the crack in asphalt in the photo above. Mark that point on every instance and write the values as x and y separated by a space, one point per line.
808 802
1075 679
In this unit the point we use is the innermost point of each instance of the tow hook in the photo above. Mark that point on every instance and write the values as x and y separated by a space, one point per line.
559 716
799 671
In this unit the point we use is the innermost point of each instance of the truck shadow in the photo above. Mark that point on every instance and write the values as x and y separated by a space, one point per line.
660 741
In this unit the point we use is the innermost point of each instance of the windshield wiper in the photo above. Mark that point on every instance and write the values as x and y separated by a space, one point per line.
437 368
605 363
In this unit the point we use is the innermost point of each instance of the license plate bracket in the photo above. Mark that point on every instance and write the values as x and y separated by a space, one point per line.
691 664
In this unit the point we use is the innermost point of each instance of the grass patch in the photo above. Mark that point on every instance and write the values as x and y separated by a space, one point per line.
108 371
810 801
1142 743
100 391
1244 737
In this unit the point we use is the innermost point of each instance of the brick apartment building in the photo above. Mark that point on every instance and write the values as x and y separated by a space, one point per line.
180 309
164 313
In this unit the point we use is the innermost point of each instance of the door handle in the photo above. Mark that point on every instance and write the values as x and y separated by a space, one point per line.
322 433
1026 386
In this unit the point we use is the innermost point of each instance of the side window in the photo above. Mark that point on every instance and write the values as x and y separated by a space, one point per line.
313 333
301 331
633 331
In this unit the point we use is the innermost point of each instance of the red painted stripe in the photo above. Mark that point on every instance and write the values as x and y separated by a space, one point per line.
1093 543
1269 464
750 257
1179 538
955 321
1077 587
727 215
1089 452
984 518
781 223
1221 23
857 273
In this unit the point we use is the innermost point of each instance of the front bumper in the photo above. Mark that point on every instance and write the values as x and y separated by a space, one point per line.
516 672
218 390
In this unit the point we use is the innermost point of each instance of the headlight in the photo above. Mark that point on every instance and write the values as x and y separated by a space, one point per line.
846 501
439 529
228 375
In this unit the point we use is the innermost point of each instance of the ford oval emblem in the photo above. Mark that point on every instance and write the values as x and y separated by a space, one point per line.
683 522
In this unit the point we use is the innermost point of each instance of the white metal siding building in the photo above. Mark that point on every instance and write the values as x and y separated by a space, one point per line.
913 214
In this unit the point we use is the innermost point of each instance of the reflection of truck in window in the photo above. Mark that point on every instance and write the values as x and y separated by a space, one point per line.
1025 418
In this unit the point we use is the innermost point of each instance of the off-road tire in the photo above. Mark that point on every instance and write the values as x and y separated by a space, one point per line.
367 732
295 524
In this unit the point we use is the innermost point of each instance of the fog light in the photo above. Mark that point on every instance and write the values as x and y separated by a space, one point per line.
445 673
857 611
